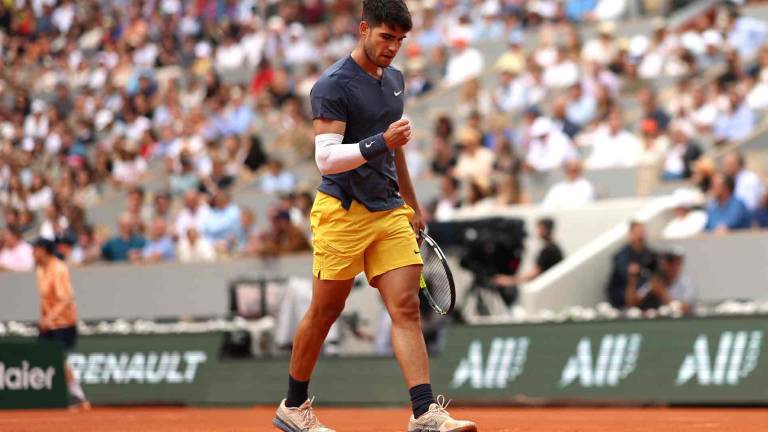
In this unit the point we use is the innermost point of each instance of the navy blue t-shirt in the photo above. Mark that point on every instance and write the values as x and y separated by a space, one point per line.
345 92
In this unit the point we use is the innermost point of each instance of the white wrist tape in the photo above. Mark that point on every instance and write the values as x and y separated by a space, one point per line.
333 157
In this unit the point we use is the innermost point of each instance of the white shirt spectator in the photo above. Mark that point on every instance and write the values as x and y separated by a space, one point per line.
569 194
562 74
201 251
476 166
63 17
610 150
17 259
463 66
596 50
129 172
549 148
749 189
190 219
40 199
36 126
229 57
47 229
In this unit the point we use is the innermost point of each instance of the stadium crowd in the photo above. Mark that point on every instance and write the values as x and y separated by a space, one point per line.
183 103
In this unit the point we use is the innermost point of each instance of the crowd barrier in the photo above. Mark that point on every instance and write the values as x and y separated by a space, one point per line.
32 375
684 361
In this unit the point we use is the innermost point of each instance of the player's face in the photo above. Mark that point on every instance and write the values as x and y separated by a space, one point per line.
382 43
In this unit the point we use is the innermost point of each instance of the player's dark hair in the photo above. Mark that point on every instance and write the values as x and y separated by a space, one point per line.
393 13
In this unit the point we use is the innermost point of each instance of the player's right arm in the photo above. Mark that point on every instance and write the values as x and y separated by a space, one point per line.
333 156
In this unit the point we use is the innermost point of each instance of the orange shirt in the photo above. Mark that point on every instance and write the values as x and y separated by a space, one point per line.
56 288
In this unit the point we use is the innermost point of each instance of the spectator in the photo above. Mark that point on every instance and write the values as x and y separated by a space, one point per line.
87 248
563 73
222 224
277 179
136 208
128 239
745 34
549 255
666 284
726 212
581 107
159 247
736 122
475 162
549 148
560 118
749 187
16 254
161 205
55 222
680 157
574 191
192 215
40 194
185 179
465 62
130 167
635 259
509 191
448 201
614 146
193 248
283 237
651 109
689 219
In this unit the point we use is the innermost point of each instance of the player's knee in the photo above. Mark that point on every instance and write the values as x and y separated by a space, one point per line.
405 308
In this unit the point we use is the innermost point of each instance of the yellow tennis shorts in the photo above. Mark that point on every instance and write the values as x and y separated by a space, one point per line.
346 242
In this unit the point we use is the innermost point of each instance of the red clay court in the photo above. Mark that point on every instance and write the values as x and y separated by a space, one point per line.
390 420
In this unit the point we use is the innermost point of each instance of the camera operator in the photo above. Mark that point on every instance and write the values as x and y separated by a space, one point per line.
548 256
635 259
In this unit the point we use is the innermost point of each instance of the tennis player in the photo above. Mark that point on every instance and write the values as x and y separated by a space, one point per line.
365 217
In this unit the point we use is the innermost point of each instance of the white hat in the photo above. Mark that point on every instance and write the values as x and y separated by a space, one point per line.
541 127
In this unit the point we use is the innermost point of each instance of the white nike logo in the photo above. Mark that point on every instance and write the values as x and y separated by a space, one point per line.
368 145
397 93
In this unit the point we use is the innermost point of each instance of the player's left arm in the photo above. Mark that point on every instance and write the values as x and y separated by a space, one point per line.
407 191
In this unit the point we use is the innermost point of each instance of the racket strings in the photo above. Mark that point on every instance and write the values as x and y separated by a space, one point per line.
436 278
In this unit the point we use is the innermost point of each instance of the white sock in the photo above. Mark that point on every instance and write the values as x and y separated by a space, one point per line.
76 391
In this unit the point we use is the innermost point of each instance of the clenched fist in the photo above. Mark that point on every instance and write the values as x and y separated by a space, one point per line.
398 134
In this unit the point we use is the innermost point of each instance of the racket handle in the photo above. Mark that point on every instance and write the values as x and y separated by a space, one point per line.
422 282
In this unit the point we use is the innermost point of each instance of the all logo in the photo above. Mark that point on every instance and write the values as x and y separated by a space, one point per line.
503 364
614 360
735 357
151 368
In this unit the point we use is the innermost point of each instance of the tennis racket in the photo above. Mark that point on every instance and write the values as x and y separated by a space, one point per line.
436 281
